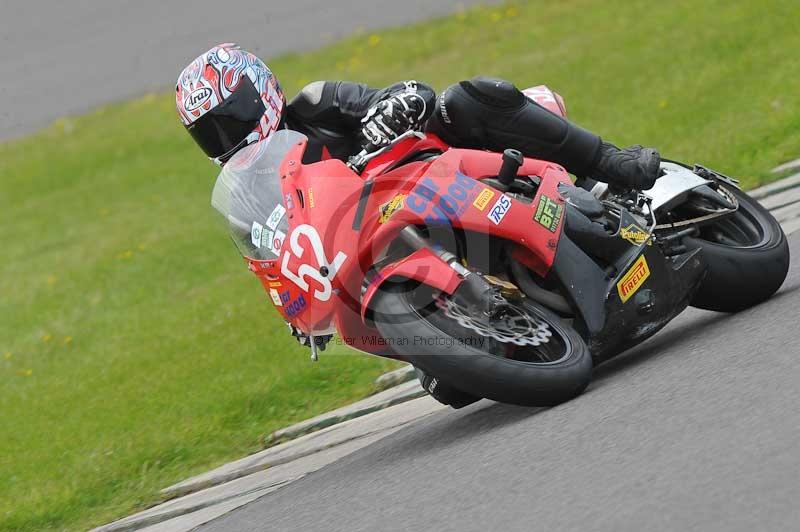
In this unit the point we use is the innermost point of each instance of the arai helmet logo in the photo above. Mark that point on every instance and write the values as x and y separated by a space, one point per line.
197 98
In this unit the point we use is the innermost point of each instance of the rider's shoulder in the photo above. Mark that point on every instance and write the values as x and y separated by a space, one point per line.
311 93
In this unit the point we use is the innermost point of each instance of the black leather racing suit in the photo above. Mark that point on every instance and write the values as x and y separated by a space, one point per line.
480 113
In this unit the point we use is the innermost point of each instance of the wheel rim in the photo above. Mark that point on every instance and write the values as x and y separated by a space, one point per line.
741 229
557 348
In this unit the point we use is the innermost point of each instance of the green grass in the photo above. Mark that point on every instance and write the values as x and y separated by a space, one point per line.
135 347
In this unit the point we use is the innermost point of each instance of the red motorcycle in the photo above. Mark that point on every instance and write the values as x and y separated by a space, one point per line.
492 272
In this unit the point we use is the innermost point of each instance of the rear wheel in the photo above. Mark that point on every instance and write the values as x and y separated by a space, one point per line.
532 358
747 255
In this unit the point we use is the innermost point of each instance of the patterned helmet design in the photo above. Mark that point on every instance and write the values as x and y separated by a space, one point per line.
228 98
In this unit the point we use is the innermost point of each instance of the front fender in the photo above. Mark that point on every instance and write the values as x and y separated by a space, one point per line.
423 265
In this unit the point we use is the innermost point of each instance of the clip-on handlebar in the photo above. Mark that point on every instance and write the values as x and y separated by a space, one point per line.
358 161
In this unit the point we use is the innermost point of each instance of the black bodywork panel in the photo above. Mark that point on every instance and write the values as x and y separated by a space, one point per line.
608 324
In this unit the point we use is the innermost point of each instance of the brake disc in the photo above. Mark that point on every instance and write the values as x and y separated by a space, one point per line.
516 326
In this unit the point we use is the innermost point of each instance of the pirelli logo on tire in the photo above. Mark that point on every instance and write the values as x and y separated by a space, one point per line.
634 279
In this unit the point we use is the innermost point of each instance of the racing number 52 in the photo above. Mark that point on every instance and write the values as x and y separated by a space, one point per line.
306 271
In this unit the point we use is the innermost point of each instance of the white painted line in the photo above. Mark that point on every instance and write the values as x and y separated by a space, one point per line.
782 199
187 512
776 187
292 450
786 213
791 226
785 167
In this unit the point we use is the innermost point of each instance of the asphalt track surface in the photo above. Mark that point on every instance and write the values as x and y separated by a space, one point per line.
62 58
698 429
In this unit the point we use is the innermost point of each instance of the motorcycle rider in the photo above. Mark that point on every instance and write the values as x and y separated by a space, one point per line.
227 98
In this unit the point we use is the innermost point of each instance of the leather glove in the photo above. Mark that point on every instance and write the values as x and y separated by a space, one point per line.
390 118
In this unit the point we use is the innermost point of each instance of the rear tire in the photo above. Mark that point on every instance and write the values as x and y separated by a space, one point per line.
740 276
477 372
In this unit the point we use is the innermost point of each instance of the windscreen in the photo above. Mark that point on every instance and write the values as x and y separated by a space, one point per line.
248 194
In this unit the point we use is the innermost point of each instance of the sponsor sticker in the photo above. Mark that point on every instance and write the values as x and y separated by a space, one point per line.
275 284
442 202
289 201
293 308
634 279
548 213
277 215
276 298
273 240
388 209
311 198
499 209
483 199
635 235
255 234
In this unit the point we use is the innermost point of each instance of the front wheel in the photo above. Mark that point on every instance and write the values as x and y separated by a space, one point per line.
747 255
533 358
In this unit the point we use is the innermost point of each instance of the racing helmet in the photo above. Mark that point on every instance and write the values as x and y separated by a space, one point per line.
228 98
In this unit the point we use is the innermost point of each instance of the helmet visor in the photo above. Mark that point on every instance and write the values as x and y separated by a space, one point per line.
224 127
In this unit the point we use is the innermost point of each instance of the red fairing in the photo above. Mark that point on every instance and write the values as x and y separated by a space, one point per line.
387 161
424 266
446 194
341 223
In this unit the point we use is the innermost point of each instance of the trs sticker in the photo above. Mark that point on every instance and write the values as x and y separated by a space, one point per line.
305 271
255 234
388 209
635 235
311 198
483 199
277 215
275 297
635 278
548 213
451 203
273 240
499 209
293 308
275 284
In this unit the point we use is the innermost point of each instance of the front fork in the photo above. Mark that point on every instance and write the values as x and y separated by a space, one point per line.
474 291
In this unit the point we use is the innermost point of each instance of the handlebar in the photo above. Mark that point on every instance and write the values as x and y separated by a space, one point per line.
358 161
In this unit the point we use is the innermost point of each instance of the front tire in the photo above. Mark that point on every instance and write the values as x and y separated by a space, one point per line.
449 353
747 255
